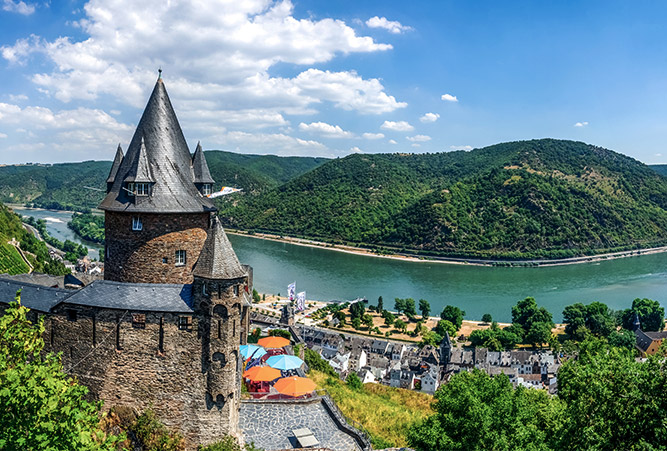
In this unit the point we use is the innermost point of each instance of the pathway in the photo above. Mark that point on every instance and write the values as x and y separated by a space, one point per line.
269 425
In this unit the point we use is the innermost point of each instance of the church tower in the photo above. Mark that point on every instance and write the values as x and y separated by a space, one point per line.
156 211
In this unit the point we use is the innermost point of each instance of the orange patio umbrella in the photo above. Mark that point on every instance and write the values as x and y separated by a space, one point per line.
262 374
294 386
273 342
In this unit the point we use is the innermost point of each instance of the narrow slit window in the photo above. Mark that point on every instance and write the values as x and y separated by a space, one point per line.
180 257
236 290
136 223
161 336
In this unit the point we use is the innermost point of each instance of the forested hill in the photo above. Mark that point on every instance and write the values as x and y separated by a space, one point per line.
659 168
528 199
79 186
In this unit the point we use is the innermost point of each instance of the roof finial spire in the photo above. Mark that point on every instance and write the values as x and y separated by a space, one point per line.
159 73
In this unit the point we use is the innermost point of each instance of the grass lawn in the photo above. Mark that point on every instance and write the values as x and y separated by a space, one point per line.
385 412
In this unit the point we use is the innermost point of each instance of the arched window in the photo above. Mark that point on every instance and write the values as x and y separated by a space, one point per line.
221 311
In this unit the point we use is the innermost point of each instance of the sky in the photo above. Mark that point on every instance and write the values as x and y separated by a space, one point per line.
331 78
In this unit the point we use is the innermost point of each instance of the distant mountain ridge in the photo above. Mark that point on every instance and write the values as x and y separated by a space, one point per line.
80 186
529 199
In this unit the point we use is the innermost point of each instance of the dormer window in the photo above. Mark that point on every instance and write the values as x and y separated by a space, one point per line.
206 189
138 189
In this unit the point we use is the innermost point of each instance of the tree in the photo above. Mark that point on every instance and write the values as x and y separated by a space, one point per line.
535 322
400 325
651 315
622 339
424 308
340 316
389 318
454 315
538 334
280 333
409 308
431 338
40 406
356 323
255 296
367 320
357 310
354 382
445 326
487 318
475 411
574 317
380 304
399 305
613 401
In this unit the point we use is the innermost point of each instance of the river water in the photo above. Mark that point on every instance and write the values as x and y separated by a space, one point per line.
329 275
56 225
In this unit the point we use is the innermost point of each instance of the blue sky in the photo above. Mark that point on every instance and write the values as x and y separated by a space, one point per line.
332 78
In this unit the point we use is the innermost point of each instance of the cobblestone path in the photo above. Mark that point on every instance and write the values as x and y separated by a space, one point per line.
270 425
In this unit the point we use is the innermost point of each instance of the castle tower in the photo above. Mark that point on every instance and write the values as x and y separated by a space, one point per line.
221 292
156 212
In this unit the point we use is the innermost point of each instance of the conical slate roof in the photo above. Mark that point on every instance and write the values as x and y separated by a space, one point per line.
116 164
157 154
217 259
200 168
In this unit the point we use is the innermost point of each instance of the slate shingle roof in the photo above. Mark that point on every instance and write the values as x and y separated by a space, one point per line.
152 297
168 159
217 259
33 296
200 171
116 164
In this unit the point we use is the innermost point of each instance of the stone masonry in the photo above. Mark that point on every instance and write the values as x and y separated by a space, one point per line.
148 255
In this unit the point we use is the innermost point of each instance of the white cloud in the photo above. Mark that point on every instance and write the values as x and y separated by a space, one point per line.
3 135
18 97
18 7
657 155
416 145
391 141
399 126
581 124
418 138
217 58
390 25
270 143
460 147
355 149
86 133
429 117
449 98
373 135
324 129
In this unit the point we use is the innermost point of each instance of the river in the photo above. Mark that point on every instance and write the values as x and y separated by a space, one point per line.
56 225
329 275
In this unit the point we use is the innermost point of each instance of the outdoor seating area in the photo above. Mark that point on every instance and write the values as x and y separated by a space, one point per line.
269 372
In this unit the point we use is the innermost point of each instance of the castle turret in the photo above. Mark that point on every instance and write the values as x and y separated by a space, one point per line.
200 173
156 218
114 168
221 289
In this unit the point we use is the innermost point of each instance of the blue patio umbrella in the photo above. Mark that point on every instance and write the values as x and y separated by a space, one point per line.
254 351
284 362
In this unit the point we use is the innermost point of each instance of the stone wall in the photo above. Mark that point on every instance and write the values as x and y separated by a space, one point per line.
156 364
149 255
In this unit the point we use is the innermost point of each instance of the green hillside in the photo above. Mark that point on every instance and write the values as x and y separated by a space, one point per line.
659 168
67 186
540 198
34 250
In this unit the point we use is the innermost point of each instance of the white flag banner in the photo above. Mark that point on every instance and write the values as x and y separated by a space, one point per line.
291 289
301 301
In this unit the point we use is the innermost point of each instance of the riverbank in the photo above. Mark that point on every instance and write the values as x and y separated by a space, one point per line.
450 260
